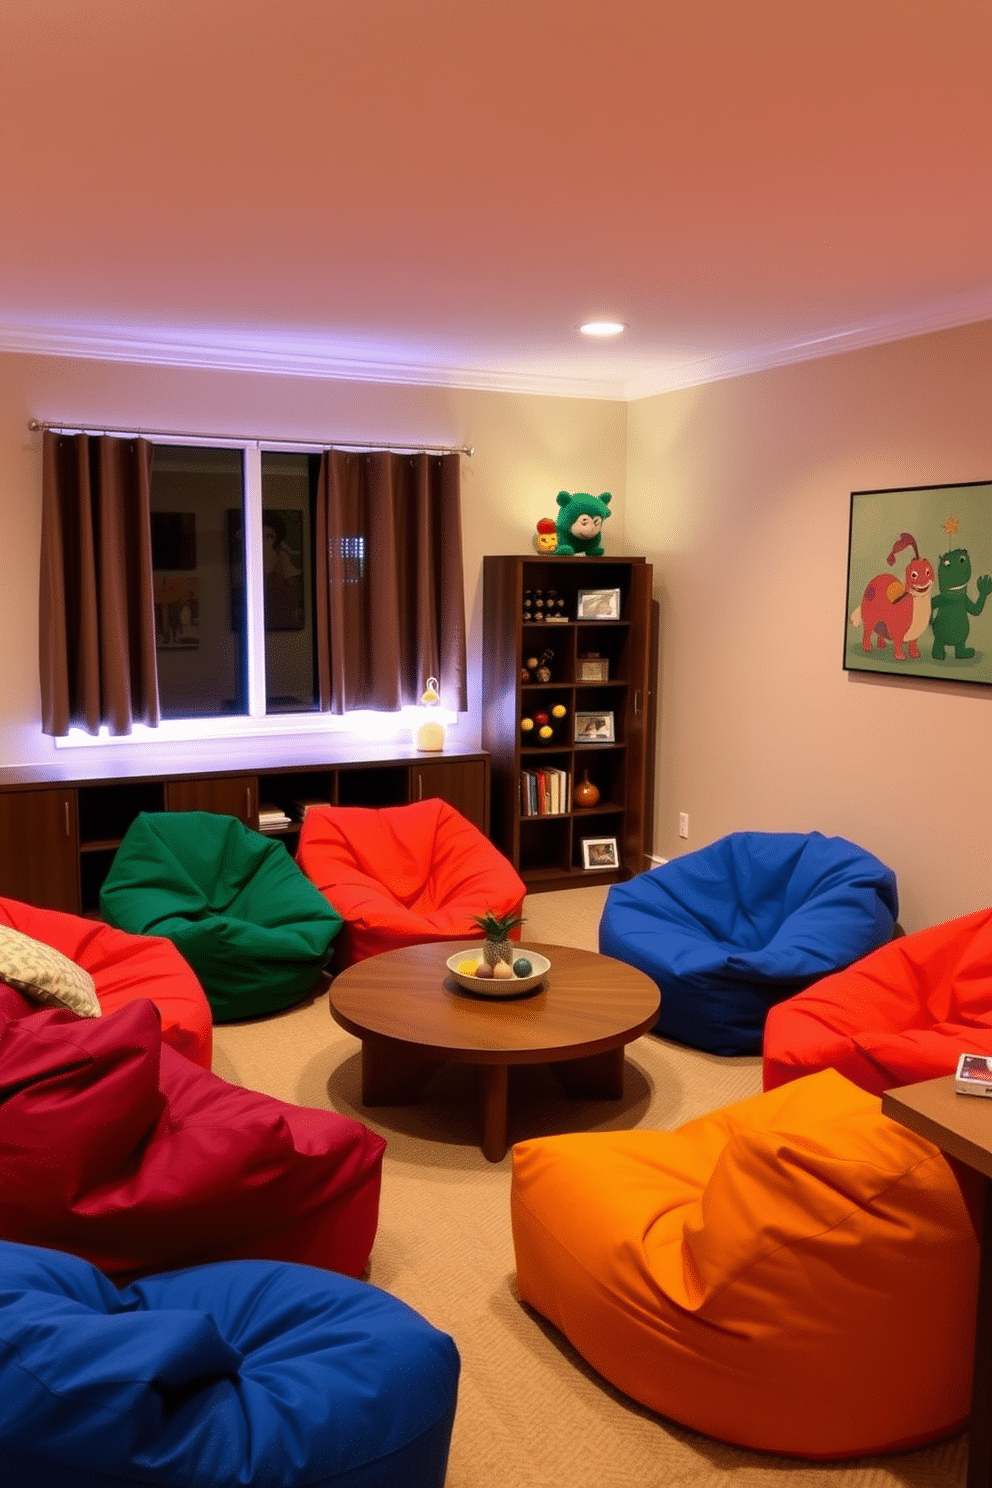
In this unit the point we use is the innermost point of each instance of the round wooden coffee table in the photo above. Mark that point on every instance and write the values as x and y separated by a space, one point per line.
412 1016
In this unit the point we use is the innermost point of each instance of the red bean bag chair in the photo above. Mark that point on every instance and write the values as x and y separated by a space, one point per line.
118 1149
901 1015
404 875
795 1273
123 967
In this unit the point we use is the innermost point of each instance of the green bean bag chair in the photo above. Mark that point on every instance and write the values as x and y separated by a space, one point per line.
252 926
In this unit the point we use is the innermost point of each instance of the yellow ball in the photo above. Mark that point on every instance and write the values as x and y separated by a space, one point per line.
467 968
546 731
559 710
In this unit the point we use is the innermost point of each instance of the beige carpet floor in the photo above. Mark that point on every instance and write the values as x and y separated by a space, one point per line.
531 1414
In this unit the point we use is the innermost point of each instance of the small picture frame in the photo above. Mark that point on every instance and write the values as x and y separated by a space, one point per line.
600 853
592 669
594 728
598 604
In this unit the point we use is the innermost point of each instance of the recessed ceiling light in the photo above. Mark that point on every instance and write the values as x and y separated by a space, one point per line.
602 328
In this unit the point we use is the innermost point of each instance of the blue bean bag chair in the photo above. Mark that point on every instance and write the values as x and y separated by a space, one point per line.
255 1373
730 930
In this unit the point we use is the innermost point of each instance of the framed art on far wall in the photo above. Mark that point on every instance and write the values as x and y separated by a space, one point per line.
919 574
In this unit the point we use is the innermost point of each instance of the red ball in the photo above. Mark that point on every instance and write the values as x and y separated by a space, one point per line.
540 718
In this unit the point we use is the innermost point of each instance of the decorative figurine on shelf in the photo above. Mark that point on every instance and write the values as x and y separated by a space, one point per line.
580 523
542 672
585 794
430 732
539 727
546 536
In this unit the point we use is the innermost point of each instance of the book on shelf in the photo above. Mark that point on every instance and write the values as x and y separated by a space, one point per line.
272 818
302 807
545 792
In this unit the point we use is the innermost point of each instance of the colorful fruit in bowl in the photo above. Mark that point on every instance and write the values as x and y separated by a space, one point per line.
502 970
483 969
522 967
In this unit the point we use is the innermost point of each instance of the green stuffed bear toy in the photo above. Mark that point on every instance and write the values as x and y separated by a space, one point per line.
580 522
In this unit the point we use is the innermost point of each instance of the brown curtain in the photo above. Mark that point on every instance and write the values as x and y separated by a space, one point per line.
390 589
97 654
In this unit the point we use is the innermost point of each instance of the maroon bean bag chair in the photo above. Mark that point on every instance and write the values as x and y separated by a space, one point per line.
123 967
120 1150
404 875
898 1016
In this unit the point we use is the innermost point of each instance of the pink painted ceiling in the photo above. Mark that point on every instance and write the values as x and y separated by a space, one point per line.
442 190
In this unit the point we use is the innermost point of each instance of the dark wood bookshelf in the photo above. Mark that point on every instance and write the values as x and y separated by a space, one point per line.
546 850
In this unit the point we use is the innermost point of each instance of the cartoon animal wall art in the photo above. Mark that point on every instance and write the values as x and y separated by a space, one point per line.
951 604
897 610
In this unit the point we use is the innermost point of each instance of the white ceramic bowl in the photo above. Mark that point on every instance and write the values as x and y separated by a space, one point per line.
498 986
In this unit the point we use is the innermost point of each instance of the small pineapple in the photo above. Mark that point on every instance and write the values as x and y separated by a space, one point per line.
496 947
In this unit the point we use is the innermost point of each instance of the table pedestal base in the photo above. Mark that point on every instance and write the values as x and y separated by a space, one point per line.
393 1076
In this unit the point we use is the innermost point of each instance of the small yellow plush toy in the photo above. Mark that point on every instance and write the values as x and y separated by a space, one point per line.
546 536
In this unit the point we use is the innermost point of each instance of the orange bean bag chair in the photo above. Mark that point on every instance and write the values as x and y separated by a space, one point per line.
795 1273
404 875
901 1015
123 966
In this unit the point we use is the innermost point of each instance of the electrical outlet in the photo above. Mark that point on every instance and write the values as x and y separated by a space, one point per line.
683 823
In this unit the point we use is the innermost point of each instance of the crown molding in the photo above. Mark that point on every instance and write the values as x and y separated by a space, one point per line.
942 315
290 362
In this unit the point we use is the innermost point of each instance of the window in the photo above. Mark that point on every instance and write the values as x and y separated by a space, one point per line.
202 585
205 627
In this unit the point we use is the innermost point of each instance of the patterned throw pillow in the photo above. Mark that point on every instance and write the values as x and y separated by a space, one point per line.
44 974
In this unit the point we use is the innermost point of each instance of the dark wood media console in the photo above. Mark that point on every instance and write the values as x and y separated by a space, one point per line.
60 824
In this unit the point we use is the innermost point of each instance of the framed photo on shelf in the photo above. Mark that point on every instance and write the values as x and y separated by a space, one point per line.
600 852
592 669
598 604
594 728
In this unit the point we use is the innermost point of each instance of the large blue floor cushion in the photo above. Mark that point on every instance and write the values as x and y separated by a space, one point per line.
735 927
245 1373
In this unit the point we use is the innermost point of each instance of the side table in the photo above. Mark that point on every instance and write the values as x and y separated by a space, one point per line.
961 1126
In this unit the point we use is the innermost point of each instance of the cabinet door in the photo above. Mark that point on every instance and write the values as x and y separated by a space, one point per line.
230 795
39 850
462 783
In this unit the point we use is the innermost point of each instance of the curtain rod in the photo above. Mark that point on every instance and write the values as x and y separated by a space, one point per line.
290 444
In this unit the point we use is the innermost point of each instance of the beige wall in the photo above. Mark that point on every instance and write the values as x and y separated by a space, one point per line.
738 492
527 449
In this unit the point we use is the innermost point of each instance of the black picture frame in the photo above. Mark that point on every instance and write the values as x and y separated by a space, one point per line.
919 573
